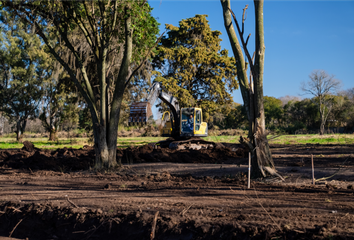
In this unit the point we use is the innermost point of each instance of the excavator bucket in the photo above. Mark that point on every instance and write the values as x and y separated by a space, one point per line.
139 113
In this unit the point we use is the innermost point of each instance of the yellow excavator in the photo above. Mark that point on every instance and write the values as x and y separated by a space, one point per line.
191 123
184 126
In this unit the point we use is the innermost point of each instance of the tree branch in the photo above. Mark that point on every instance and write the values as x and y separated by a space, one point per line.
244 45
84 30
144 60
243 19
143 3
115 14
93 28
66 66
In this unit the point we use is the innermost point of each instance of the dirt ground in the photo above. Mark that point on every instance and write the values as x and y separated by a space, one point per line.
169 194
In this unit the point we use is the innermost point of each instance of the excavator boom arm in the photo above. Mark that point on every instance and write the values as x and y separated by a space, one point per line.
141 111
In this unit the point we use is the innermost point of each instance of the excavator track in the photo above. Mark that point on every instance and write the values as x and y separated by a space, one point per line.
195 143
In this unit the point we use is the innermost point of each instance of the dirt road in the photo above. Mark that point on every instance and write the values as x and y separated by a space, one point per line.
191 200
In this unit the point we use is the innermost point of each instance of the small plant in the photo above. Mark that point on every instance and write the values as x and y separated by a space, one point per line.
62 169
330 237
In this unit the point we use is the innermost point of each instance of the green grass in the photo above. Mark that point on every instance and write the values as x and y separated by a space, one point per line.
314 139
137 141
228 139
43 143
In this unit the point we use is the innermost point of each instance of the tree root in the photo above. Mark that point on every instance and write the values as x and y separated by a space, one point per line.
273 172
264 156
262 152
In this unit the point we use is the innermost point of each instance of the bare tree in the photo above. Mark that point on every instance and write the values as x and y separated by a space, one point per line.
323 87
349 93
288 98
252 87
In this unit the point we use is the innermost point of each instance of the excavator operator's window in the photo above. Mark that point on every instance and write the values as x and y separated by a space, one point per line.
198 120
187 120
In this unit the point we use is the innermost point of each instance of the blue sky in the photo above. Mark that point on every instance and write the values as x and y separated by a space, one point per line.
300 36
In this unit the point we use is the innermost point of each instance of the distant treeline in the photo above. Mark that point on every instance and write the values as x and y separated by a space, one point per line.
292 115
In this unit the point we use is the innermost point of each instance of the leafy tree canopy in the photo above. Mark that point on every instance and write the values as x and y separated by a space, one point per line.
272 109
192 66
101 45
22 71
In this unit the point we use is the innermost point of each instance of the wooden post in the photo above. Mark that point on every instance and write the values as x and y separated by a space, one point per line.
313 171
153 227
249 170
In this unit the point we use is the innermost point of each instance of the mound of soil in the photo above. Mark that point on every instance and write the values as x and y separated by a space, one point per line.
225 154
68 159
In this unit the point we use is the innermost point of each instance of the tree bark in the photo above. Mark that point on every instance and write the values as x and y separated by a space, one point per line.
20 129
18 135
257 143
101 148
322 128
52 135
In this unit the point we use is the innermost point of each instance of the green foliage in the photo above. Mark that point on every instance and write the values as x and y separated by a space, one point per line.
346 112
22 71
300 115
237 118
101 45
56 99
192 67
296 116
273 111
70 116
68 101
342 112
85 121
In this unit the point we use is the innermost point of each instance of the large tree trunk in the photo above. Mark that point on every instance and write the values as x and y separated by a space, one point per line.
52 135
18 131
324 116
113 126
106 146
1 125
252 93
101 149
121 82
322 127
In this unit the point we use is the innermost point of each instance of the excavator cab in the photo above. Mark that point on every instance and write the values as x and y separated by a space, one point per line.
192 124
